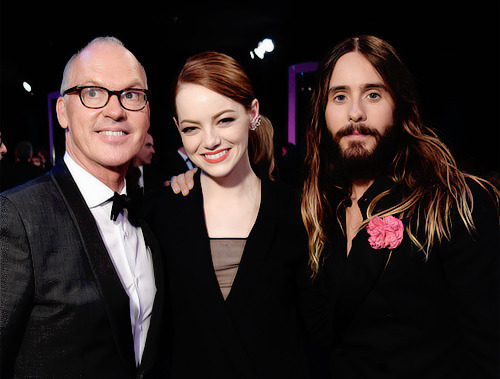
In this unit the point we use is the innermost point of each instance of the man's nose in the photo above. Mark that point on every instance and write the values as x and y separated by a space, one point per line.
357 112
114 109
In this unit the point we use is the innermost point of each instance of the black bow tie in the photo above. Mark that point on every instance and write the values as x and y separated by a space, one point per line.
132 203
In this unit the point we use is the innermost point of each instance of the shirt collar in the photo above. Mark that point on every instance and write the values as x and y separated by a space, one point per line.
381 184
94 191
184 156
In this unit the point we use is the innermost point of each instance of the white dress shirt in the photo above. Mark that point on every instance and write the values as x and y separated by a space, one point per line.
186 159
126 247
141 178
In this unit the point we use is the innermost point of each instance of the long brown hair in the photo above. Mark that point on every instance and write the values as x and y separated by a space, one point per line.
422 169
224 75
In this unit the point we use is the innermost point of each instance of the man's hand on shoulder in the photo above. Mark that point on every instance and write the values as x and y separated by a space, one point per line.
182 182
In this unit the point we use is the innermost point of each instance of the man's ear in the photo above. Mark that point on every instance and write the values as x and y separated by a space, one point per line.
149 116
62 116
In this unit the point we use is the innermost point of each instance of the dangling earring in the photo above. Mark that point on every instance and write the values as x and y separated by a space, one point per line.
255 124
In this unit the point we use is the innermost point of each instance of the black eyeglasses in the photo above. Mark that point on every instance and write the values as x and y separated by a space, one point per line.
131 99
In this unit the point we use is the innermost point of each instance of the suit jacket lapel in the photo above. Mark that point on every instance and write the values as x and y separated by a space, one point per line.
362 270
114 296
198 246
256 250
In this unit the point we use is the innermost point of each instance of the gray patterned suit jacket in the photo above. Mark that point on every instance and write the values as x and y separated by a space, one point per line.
63 310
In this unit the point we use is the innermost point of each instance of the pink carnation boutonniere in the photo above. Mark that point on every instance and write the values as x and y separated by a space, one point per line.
385 232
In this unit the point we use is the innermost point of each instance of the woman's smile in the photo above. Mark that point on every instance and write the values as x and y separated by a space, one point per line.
216 156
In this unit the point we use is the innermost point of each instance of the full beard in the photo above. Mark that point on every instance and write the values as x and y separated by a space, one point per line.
356 161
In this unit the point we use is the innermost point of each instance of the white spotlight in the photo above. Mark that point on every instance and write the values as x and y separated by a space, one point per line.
27 86
268 45
264 46
259 51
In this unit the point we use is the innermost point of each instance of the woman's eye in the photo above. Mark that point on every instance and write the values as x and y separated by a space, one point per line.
340 98
188 129
226 120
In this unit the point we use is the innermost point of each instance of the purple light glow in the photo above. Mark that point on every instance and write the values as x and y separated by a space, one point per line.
292 72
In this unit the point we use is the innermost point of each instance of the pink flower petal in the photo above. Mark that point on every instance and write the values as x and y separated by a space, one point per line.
385 232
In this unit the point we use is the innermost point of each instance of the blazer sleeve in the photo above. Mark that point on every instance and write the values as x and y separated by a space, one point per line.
16 284
471 266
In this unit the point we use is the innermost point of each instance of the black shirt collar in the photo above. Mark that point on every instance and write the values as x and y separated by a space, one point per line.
381 184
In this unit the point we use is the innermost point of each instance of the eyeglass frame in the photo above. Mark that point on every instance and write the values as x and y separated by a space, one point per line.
79 89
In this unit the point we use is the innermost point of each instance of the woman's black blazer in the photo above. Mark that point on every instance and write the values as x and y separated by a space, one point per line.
253 334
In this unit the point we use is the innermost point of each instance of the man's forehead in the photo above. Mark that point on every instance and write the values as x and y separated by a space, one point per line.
354 67
107 64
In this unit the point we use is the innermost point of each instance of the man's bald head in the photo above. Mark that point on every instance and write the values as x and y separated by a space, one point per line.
65 84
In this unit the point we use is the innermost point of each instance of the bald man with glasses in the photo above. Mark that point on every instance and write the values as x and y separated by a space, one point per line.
81 283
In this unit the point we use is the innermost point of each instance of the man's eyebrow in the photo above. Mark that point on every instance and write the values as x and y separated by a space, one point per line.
90 82
337 88
98 83
364 87
374 85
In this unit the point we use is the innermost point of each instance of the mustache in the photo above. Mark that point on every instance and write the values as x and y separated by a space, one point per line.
358 128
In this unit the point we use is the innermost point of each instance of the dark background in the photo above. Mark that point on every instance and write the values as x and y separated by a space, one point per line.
453 51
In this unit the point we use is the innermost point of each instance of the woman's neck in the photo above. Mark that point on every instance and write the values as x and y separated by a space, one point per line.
231 203
239 182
